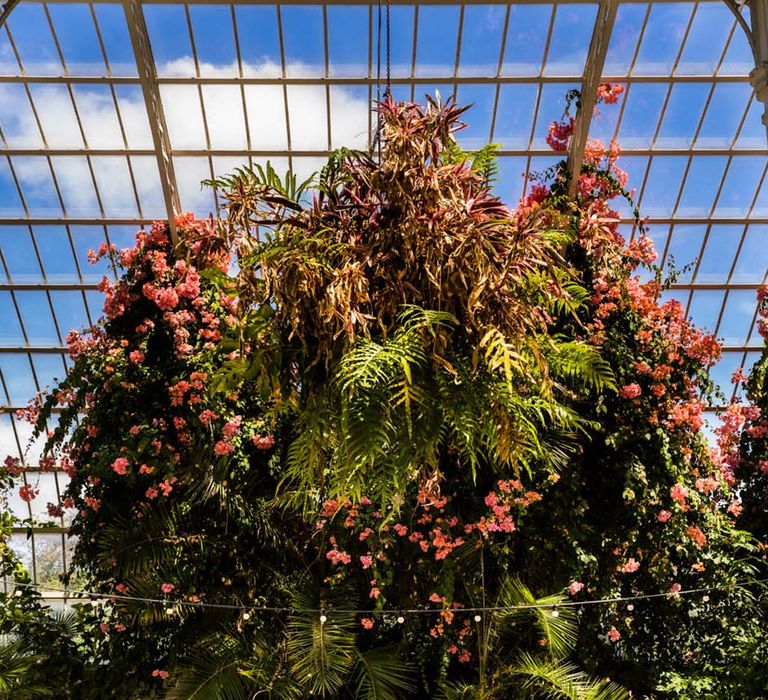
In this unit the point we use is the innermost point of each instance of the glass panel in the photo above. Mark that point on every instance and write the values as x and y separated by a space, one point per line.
605 119
481 40
626 31
752 264
133 113
571 34
303 40
19 381
436 43
33 39
307 112
49 555
511 179
706 39
266 117
98 116
36 315
683 250
259 42
37 186
10 202
729 100
70 311
662 185
87 238
57 116
401 29
8 63
224 116
701 185
17 119
644 100
740 186
19 254
722 374
45 482
477 132
49 369
738 314
514 115
117 41
349 117
214 37
705 308
76 185
10 329
663 35
348 40
169 36
682 115
716 261
526 38
551 108
752 133
190 172
56 254
183 115
147 179
738 56
635 167
76 32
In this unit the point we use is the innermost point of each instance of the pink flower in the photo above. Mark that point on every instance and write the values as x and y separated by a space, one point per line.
27 492
232 428
223 447
614 635
375 592
465 657
104 627
631 566
207 417
151 493
167 588
366 561
575 587
136 356
678 493
699 538
663 516
162 675
367 623
401 529
263 442
630 391
120 466
167 299
675 588
121 588
436 598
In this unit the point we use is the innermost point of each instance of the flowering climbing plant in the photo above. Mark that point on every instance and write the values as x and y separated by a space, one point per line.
312 446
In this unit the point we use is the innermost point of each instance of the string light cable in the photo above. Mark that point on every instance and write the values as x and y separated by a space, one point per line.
173 604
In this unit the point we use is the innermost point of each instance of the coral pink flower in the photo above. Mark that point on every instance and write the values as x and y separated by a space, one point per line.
367 623
630 391
167 588
631 566
614 635
575 587
678 493
663 516
28 493
366 561
263 442
120 466
675 588
162 675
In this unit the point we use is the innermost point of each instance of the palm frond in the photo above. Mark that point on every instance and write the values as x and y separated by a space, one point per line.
381 674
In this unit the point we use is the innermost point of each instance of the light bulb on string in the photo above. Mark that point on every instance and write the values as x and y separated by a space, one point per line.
323 618
630 607
400 619
705 598
246 615
555 612
478 618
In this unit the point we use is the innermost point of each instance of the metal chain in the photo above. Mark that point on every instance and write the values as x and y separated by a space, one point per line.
389 51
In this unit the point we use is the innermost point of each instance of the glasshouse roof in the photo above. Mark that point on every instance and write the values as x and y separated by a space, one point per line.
112 113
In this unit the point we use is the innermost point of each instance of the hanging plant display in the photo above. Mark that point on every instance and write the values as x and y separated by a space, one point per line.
379 435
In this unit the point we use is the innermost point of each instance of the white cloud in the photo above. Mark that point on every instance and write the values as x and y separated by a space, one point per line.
225 119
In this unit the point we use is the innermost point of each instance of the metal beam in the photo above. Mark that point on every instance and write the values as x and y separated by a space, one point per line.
147 75
593 71
758 39
5 10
